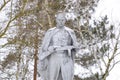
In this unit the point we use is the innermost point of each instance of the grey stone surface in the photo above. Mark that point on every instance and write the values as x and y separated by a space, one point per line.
56 57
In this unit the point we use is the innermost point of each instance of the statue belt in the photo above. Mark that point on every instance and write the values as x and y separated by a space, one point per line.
61 52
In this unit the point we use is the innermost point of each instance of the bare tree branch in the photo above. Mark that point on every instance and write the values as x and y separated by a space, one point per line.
114 65
21 13
111 59
4 4
47 10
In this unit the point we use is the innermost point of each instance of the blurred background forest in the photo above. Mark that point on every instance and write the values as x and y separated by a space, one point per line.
25 23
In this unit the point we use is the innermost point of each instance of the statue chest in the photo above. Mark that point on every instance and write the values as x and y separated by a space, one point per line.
61 38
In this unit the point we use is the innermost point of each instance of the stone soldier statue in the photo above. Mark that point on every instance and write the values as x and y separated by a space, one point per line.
56 58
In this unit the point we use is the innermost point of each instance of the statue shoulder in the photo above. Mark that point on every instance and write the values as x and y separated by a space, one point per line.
69 29
51 29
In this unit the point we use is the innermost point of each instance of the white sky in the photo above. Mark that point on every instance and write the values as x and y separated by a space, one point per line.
110 8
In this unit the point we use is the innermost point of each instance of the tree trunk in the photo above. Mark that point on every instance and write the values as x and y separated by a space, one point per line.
35 55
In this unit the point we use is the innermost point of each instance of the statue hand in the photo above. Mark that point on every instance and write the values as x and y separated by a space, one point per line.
51 49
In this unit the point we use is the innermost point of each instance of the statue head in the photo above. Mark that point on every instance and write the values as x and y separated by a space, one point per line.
60 19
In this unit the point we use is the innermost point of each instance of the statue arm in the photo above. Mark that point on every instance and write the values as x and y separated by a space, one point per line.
74 41
44 48
45 40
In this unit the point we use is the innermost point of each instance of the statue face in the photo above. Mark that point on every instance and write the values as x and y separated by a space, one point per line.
60 20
